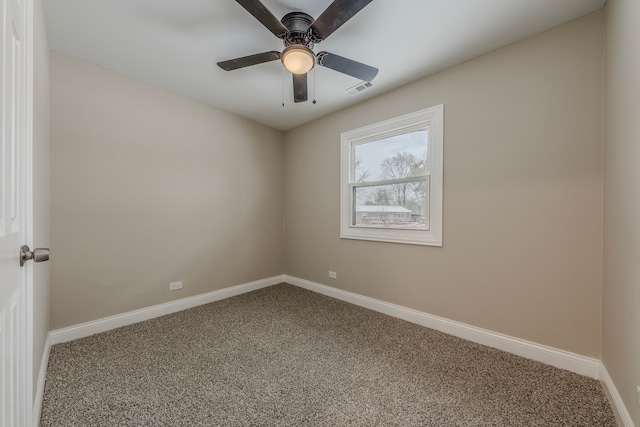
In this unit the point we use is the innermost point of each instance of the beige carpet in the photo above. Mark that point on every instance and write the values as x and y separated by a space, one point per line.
284 356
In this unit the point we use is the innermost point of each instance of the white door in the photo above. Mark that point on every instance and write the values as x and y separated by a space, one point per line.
15 205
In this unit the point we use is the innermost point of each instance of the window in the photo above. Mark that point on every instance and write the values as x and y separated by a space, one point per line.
391 180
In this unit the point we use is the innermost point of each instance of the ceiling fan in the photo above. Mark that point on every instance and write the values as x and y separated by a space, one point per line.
300 32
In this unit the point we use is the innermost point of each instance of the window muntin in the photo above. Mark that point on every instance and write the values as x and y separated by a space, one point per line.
391 180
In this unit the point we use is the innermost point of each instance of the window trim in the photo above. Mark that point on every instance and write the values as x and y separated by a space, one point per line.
431 119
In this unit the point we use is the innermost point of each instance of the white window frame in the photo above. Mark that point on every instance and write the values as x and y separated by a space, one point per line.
431 119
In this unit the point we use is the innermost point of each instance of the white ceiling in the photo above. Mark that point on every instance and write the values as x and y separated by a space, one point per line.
176 45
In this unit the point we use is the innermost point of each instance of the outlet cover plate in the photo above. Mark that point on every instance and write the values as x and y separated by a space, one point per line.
333 275
174 286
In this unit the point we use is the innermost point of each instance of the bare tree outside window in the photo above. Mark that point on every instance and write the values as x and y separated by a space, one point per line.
404 165
361 174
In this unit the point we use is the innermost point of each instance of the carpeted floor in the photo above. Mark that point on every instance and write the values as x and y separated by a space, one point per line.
284 356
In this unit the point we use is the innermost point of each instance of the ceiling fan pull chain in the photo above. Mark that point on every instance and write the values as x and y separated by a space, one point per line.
314 86
283 87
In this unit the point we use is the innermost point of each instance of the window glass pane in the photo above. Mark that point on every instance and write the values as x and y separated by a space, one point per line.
399 205
398 156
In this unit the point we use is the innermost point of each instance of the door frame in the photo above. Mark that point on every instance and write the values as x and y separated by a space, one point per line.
28 207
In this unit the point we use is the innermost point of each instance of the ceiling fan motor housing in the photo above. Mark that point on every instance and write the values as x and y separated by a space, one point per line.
298 24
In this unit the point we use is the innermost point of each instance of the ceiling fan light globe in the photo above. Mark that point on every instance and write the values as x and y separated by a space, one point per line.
298 59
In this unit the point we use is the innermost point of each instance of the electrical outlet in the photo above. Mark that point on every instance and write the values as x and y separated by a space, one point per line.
333 275
174 286
638 394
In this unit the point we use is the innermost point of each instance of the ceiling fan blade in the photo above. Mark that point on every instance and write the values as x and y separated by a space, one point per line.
246 61
347 66
300 93
262 14
338 12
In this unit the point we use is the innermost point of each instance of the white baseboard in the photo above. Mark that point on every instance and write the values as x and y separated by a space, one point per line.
551 356
623 416
108 323
42 375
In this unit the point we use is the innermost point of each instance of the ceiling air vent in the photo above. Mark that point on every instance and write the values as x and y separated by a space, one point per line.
360 87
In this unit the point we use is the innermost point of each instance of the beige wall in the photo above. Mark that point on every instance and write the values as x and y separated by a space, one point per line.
149 187
621 284
522 194
41 187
